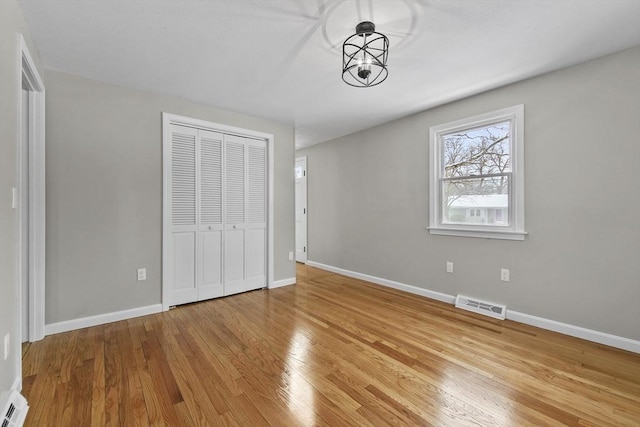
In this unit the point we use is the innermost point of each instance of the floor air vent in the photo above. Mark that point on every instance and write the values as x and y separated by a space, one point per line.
498 311
14 410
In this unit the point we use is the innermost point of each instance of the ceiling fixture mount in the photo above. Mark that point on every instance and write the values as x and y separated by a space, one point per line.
364 56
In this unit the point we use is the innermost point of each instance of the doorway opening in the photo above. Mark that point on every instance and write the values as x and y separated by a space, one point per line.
301 209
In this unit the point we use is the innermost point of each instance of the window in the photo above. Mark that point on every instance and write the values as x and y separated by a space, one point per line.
477 176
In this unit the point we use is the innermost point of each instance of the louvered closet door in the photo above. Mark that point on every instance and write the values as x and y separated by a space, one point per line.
182 203
256 226
209 280
245 214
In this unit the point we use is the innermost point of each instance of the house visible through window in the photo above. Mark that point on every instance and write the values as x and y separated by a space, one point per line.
477 185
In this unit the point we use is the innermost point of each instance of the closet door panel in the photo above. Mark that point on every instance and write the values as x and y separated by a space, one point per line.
235 182
210 190
182 273
210 179
234 214
234 266
211 265
256 237
184 260
255 247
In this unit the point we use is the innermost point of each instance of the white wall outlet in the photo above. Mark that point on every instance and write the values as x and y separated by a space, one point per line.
7 340
504 274
14 198
449 267
290 256
142 274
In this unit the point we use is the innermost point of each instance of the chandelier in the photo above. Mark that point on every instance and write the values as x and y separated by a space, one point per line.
364 56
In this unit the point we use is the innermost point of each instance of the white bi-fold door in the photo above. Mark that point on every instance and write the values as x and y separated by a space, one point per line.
217 208
245 231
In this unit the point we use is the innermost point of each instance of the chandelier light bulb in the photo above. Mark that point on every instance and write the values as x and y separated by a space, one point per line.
364 68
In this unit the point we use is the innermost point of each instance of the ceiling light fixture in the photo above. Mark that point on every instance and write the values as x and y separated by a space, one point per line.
364 56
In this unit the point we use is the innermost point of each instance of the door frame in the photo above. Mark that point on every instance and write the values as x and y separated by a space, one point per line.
169 119
35 151
306 207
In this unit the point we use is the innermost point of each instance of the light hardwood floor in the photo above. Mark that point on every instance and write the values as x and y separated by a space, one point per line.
330 350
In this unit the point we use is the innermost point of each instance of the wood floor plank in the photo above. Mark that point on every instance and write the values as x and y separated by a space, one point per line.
329 351
151 398
57 407
138 405
99 386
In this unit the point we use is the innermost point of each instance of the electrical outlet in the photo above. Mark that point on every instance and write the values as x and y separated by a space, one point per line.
14 198
290 256
449 267
504 275
142 274
7 340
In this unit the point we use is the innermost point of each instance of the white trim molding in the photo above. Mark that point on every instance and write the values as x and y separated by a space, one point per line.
101 319
283 282
540 322
17 384
575 331
28 73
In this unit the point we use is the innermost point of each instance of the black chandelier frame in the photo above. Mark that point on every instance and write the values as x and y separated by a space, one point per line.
364 57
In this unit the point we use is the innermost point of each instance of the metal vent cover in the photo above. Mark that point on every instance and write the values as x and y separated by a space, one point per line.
497 311
14 410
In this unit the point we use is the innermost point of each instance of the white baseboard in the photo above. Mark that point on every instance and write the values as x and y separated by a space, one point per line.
388 283
575 331
100 319
540 322
17 384
283 282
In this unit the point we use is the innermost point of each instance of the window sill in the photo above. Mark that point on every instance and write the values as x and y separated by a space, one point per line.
484 234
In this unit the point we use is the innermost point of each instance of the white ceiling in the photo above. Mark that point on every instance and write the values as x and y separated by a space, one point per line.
281 59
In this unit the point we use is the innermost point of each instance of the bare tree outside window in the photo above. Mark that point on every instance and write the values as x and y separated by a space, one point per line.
477 171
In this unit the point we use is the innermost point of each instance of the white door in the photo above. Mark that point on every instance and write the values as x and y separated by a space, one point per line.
301 209
234 236
209 261
256 225
181 266
245 236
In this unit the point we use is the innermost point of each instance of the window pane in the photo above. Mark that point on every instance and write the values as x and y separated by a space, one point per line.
482 201
298 172
477 151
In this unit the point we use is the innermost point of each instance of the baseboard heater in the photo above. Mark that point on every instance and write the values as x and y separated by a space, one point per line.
497 311
14 409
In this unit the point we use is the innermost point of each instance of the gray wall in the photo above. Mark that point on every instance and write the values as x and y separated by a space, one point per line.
11 23
104 193
580 263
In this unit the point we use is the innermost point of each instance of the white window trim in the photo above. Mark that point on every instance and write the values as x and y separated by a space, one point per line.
516 230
